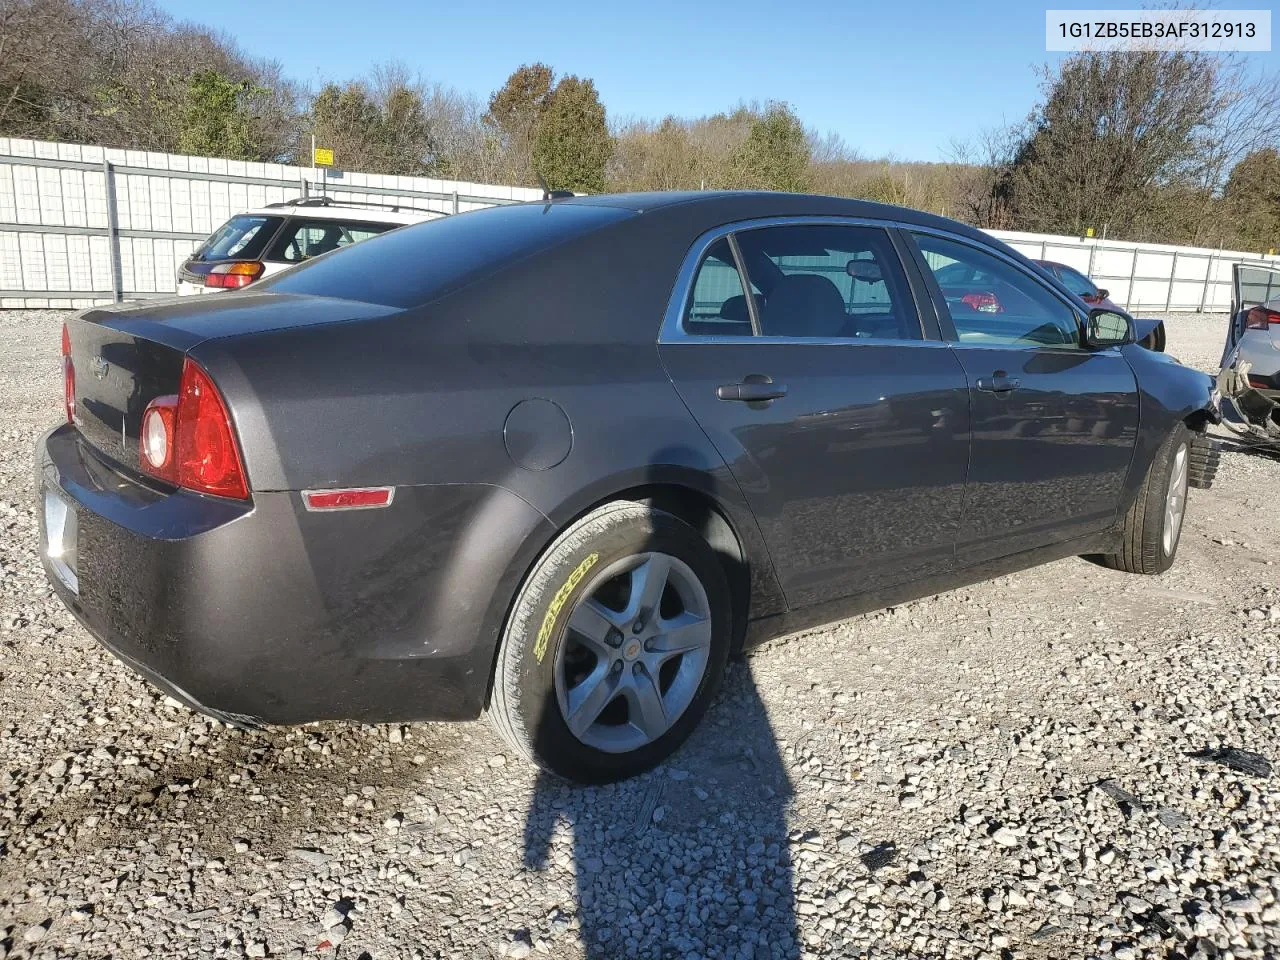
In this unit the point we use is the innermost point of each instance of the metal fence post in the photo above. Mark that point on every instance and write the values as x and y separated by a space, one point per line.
1133 272
1173 276
455 201
1204 291
113 232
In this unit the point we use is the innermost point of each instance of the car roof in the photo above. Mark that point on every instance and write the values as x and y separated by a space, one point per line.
336 212
1060 266
728 206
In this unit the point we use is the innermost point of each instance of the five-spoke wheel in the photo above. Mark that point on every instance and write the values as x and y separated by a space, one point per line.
615 646
636 649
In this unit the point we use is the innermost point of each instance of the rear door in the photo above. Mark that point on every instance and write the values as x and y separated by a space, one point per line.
799 349
1054 423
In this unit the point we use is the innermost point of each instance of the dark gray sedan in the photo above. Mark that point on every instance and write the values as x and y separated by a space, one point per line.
557 462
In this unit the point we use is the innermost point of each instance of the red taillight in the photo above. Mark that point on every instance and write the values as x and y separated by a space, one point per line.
68 377
188 439
231 276
1259 318
982 302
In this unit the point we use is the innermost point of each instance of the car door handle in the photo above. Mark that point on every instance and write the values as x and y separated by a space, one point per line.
756 388
998 382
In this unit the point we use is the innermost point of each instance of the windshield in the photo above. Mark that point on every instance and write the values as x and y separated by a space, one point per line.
240 238
1077 283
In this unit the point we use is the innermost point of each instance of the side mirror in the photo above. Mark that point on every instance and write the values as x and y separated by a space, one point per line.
1102 293
1106 328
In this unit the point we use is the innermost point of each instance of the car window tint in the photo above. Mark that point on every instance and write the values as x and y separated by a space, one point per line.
828 281
717 305
242 237
993 302
1077 282
303 239
412 265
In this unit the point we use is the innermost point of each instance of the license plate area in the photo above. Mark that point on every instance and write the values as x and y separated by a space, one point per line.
61 539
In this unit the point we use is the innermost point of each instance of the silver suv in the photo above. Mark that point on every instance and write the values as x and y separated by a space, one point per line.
263 241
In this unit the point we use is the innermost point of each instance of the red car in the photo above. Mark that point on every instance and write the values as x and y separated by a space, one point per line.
1080 285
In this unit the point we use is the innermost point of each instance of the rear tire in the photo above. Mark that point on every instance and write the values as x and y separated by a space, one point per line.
622 628
1153 525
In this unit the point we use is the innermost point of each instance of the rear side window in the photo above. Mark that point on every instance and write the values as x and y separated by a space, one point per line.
409 266
828 281
243 237
303 239
718 305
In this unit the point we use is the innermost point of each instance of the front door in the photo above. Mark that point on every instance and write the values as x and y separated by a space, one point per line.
847 431
1054 423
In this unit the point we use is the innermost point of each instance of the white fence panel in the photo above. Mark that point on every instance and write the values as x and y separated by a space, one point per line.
81 225
1144 276
61 246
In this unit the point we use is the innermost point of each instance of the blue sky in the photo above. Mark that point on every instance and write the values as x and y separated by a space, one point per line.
901 79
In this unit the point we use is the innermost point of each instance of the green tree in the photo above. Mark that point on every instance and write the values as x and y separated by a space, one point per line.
571 143
775 155
218 118
380 130
1120 139
514 113
521 101
1252 198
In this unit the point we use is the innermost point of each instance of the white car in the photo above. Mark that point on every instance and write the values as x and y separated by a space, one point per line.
258 243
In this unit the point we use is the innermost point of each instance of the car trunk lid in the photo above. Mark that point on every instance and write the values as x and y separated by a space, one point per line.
129 354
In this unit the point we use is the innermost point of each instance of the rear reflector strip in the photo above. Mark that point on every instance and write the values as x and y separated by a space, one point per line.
352 498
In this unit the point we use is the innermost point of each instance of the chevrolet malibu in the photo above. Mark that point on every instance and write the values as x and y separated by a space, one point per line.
556 462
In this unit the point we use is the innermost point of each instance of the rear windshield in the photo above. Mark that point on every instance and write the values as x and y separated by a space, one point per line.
242 237
409 266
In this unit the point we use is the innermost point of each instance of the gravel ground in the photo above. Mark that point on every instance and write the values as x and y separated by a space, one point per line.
1001 771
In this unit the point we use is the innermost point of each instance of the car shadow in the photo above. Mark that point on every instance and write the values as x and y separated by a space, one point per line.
691 859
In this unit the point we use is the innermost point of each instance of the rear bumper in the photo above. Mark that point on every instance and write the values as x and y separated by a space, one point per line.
267 613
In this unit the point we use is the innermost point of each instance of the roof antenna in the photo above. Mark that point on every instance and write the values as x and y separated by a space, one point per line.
548 194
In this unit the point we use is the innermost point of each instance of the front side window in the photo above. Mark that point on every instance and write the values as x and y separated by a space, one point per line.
717 305
826 281
992 302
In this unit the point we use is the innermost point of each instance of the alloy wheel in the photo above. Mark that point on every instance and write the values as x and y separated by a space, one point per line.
634 654
1175 504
